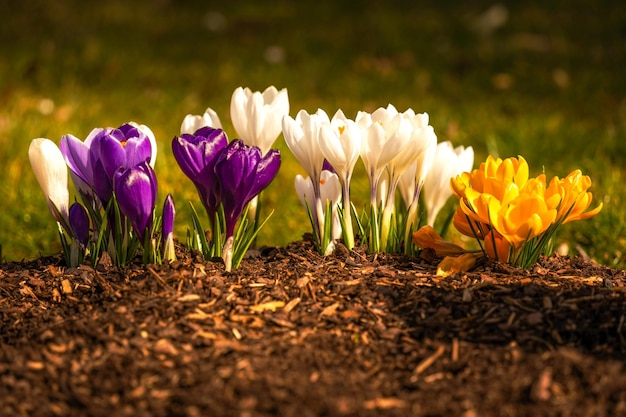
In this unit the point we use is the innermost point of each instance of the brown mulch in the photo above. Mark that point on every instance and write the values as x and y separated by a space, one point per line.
293 334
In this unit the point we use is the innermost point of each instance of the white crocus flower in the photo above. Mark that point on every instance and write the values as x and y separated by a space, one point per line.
301 136
330 193
448 163
421 138
412 180
340 143
381 142
193 122
49 167
257 116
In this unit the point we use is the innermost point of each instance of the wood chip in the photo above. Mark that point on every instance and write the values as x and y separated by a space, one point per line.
292 304
188 298
329 310
271 305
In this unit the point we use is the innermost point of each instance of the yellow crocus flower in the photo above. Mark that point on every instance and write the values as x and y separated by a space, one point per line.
522 219
575 198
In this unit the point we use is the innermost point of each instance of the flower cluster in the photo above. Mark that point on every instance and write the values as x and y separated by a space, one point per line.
230 176
513 216
227 176
397 149
411 177
112 171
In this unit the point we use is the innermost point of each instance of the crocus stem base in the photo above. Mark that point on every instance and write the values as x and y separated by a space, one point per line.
227 253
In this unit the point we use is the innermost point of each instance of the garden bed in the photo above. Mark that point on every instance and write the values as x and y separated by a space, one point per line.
293 334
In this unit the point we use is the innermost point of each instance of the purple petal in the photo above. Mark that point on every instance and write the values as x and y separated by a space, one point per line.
112 154
102 184
136 190
328 167
129 131
79 223
242 174
77 157
266 171
169 214
196 155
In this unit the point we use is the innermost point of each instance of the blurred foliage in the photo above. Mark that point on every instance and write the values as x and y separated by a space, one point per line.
542 79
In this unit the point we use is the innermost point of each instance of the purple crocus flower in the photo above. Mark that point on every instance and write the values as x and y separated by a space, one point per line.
79 223
136 191
94 162
243 174
196 155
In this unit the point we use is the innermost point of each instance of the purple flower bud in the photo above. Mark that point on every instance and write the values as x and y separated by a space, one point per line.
243 174
196 155
167 228
169 214
79 223
136 191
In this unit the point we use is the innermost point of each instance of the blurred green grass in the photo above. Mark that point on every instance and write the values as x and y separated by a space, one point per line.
541 79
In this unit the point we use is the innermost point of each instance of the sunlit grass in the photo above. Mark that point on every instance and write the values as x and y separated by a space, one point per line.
542 85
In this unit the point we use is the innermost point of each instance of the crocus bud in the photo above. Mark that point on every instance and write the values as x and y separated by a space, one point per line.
79 223
49 167
169 214
136 190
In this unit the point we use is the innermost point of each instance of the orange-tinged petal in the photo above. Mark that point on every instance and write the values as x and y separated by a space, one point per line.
497 247
455 264
427 237
462 223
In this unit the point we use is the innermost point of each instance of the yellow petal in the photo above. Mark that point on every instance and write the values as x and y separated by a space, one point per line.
426 237
455 264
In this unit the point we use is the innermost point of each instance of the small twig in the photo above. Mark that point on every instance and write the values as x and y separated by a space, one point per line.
158 277
426 363
455 350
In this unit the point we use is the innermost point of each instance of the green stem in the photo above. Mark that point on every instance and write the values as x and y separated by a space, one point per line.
347 216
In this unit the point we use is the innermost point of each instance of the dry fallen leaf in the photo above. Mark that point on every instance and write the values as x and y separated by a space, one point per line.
455 264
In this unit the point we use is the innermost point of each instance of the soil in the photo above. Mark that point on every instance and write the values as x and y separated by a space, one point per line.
291 333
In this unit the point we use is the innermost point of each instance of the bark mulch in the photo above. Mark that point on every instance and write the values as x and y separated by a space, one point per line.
293 334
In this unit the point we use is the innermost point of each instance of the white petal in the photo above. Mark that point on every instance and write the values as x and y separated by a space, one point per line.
50 169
